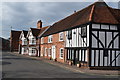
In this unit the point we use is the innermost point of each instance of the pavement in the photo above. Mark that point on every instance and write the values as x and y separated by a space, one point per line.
87 71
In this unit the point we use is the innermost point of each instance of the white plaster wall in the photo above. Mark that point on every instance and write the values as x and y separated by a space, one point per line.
74 42
109 39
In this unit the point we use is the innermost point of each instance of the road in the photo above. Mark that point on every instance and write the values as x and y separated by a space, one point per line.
14 66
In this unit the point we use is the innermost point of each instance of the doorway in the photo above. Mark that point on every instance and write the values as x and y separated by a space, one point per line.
54 52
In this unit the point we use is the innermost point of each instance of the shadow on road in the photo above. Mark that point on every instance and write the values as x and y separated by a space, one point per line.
5 63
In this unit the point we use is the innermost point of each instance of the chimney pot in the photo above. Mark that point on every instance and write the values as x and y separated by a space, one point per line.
39 24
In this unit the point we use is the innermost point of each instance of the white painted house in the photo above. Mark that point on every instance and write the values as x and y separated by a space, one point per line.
32 41
23 46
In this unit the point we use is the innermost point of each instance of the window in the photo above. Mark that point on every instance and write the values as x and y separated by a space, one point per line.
61 53
32 51
70 34
24 50
50 39
32 41
24 42
61 36
42 40
84 32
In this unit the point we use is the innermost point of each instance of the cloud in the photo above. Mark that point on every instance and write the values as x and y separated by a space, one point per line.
23 15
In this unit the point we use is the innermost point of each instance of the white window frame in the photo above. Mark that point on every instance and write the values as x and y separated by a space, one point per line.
42 40
31 41
61 34
25 42
61 53
33 51
50 39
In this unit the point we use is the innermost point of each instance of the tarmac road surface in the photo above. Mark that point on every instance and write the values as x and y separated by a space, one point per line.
14 66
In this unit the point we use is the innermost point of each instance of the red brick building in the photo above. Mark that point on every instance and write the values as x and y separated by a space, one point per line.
52 47
14 40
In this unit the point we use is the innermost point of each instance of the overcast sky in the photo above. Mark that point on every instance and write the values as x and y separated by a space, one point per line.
23 15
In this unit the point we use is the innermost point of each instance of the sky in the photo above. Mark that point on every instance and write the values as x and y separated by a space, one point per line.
25 14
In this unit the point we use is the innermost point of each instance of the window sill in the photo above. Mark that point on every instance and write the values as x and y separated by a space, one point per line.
61 40
61 58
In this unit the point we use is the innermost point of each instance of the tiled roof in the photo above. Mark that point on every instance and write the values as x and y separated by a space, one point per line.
116 13
98 12
43 29
36 32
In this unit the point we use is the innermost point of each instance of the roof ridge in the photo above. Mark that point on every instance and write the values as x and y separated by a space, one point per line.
44 27
91 13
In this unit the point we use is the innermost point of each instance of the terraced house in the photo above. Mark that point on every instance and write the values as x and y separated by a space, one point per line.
23 43
29 43
89 37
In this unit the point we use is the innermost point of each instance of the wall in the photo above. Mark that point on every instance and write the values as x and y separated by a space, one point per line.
58 44
104 49
77 40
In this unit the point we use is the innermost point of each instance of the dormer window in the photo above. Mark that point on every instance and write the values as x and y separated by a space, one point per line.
61 36
84 32
70 34
50 39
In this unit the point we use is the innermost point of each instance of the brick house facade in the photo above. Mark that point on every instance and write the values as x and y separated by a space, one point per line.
52 47
14 40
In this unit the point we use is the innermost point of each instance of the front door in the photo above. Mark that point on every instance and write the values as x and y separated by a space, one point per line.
53 52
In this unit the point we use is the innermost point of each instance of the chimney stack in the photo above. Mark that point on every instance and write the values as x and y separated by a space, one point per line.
39 24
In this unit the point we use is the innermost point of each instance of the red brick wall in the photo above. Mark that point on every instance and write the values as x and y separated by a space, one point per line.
14 40
57 43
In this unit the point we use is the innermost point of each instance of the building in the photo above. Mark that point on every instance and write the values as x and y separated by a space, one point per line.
4 44
52 46
29 42
23 43
14 40
89 37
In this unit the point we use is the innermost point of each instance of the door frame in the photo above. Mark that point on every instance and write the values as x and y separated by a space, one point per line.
53 52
